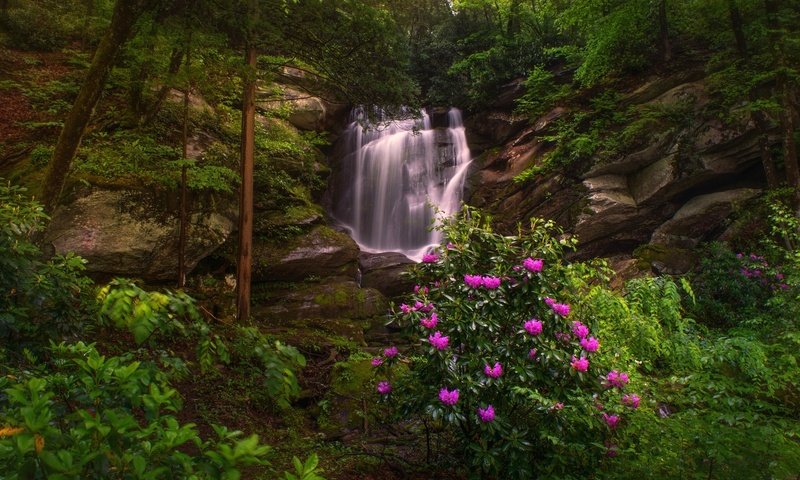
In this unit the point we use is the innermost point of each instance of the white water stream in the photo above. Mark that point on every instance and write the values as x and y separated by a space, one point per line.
397 171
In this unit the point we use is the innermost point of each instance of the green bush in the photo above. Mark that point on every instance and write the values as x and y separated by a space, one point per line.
42 299
502 322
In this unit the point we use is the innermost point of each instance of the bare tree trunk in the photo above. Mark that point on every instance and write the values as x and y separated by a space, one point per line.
663 32
126 13
184 207
244 265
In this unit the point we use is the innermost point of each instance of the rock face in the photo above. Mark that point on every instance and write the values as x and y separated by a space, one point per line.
133 233
322 252
384 272
675 190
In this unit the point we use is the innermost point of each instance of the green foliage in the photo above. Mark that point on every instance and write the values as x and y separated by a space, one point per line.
541 93
41 299
582 135
87 416
305 471
43 24
131 155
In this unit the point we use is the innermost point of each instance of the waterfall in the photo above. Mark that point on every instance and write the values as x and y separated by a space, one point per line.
393 172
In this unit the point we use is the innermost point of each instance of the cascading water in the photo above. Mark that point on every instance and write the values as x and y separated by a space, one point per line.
398 172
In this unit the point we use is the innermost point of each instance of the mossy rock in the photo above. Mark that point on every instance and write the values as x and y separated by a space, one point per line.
342 299
665 259
319 253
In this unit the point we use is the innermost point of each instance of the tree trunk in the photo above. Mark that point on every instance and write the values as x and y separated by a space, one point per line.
664 45
126 13
175 60
759 118
244 265
184 207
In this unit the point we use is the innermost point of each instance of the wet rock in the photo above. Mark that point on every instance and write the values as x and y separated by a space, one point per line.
384 272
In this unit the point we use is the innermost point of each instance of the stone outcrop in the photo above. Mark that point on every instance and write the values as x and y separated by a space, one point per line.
134 233
676 189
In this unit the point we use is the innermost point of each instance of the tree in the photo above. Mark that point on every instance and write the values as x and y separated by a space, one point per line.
126 14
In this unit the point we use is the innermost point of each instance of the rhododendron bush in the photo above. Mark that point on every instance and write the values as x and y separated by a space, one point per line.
504 353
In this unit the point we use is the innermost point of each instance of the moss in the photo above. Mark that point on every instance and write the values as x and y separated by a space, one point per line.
673 258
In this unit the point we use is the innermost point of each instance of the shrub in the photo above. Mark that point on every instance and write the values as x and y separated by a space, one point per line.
42 299
504 354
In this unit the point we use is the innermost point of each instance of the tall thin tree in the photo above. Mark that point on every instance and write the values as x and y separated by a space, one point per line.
245 261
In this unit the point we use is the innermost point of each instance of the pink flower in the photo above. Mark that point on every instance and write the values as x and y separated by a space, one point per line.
558 406
418 305
405 308
631 400
491 282
590 344
563 337
451 246
533 265
448 397
439 341
422 290
611 420
473 281
429 322
580 330
493 372
426 308
384 388
486 414
430 258
532 353
616 379
560 308
390 352
377 362
549 301
580 364
533 327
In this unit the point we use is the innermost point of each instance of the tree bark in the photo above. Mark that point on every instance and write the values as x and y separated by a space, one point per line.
175 60
244 265
663 32
184 220
123 19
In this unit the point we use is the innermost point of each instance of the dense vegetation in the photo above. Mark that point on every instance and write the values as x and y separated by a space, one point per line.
511 361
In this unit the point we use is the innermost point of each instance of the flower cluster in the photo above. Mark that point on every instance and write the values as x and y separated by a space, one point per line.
560 308
486 414
533 265
448 397
616 379
477 281
429 322
533 327
430 258
439 341
493 372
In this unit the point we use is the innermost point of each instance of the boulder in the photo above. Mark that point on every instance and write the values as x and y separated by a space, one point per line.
133 233
319 253
700 216
384 272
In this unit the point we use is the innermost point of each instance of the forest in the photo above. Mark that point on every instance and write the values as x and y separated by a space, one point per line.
606 283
